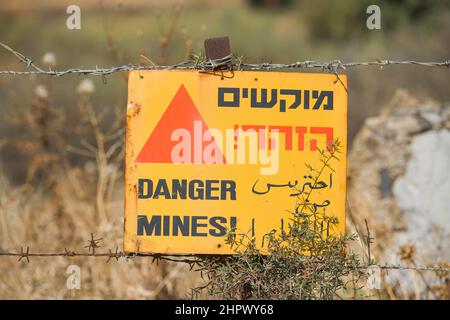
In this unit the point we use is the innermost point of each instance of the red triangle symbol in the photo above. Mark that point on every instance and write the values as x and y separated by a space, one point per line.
180 114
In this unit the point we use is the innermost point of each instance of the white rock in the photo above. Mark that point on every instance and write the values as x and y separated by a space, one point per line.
424 190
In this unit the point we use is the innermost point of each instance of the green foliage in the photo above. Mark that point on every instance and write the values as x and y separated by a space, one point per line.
338 20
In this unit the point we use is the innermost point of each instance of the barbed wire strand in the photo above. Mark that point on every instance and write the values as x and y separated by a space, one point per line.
116 254
93 244
190 259
331 66
175 258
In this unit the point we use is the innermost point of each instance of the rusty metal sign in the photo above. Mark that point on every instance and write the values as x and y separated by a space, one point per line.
207 154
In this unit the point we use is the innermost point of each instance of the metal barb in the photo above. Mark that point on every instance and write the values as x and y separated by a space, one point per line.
24 254
93 243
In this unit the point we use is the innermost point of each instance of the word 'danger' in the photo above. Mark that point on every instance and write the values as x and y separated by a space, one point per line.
207 155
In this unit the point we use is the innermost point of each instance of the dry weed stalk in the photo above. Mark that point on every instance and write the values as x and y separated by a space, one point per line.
167 36
108 151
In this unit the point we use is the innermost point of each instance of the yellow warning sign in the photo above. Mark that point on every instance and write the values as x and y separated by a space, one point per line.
207 154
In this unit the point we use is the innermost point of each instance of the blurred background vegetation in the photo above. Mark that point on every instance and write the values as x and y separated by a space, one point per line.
167 32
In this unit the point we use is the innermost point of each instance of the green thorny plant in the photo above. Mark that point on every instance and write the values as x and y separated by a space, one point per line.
304 262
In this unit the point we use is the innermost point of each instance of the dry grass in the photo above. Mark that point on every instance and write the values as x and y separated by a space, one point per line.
69 192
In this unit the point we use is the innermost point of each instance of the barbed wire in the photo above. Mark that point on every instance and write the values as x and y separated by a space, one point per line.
93 244
190 259
331 66
110 254
416 268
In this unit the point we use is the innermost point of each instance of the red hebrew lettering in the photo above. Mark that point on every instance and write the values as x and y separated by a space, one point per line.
321 130
300 137
259 129
287 130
